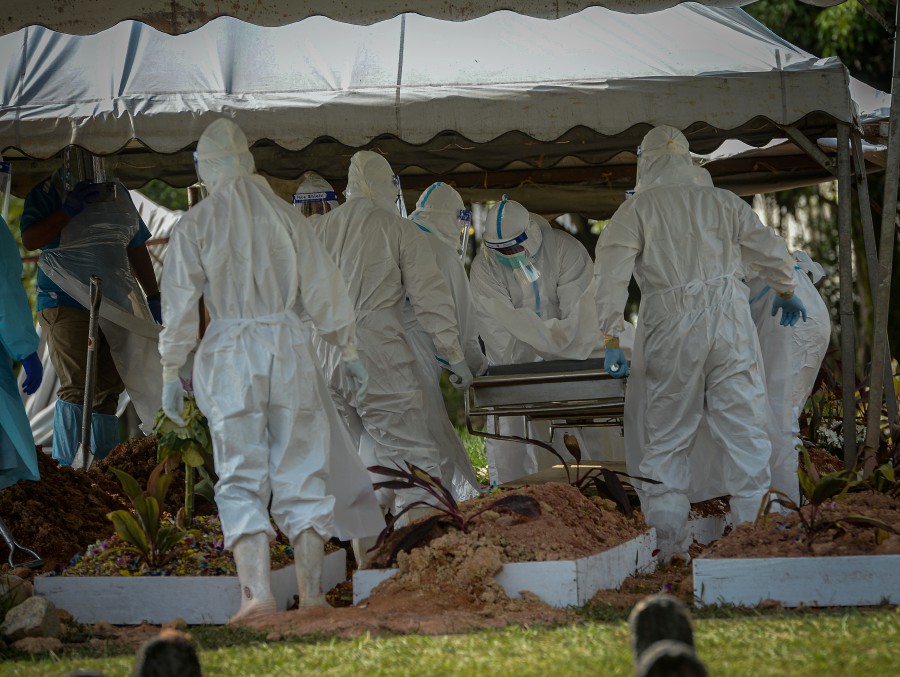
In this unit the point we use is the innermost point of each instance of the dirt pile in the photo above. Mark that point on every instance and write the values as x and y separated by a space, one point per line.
59 515
65 511
456 569
785 536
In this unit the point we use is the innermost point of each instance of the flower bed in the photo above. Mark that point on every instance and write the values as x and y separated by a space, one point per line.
847 560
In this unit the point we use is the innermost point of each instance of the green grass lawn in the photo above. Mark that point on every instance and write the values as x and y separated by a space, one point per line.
783 644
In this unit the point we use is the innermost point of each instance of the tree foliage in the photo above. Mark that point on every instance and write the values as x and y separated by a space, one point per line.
848 32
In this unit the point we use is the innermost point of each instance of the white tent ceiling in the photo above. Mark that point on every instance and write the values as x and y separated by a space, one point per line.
503 93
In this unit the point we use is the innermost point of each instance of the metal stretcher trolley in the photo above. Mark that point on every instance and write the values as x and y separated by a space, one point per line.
568 393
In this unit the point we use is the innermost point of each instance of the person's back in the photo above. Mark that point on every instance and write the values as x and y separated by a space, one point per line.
696 351
351 233
238 286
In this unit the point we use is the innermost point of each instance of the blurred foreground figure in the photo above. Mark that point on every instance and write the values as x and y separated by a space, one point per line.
688 245
662 639
19 343
255 378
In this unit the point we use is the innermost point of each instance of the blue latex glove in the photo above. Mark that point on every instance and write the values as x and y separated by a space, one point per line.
614 363
358 376
155 305
791 310
173 401
34 373
462 376
80 197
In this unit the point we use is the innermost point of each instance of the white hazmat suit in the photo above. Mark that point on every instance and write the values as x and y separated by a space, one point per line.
384 259
254 260
438 212
688 243
535 303
791 359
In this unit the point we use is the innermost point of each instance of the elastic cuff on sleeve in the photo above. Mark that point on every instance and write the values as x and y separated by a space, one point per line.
455 356
349 353
170 374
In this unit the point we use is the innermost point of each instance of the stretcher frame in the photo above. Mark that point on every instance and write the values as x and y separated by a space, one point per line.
568 393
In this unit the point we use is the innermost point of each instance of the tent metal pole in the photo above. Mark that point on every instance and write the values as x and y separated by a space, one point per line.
848 321
885 262
868 231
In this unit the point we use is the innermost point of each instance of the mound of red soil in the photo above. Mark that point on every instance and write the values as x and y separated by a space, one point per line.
59 515
784 535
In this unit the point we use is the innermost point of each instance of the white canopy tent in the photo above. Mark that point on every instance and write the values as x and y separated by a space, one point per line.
505 102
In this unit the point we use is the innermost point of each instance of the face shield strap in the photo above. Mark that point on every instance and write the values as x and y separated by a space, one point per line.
306 198
518 239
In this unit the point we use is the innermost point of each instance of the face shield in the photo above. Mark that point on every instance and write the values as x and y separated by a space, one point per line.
80 165
314 195
401 205
506 240
466 230
5 186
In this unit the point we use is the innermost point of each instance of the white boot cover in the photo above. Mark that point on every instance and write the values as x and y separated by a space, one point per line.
251 556
309 558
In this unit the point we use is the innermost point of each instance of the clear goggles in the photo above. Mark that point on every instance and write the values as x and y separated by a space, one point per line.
311 204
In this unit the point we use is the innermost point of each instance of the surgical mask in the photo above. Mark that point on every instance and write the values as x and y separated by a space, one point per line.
5 184
512 261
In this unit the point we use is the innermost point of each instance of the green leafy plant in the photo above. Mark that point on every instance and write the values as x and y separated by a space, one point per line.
447 509
143 532
191 445
819 489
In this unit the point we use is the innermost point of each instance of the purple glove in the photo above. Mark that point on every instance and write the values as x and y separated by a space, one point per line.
155 304
80 197
34 373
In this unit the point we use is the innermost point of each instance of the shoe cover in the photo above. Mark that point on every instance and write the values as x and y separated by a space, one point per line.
66 431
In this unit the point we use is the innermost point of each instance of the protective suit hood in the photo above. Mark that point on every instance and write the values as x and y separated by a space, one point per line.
508 224
437 211
371 176
665 158
223 153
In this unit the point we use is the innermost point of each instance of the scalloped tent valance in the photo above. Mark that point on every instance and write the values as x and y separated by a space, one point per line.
502 92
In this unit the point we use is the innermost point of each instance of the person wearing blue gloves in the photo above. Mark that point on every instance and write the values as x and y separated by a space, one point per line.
688 245
19 342
84 226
